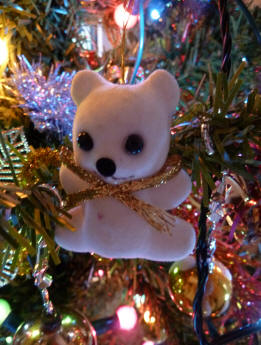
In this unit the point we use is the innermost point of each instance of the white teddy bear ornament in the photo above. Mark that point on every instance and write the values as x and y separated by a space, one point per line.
122 133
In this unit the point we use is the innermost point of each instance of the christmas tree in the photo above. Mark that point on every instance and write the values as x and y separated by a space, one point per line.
52 295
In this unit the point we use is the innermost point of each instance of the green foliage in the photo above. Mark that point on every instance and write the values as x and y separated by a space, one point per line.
244 39
43 29
190 41
233 127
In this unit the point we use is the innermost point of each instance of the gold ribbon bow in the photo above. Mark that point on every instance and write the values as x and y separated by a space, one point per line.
97 188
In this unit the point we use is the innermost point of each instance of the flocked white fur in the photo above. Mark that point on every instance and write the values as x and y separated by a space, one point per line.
110 113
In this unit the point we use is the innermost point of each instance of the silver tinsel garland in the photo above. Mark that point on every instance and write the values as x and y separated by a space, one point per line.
46 100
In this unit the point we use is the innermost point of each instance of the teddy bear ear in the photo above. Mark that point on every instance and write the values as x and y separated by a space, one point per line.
163 84
83 83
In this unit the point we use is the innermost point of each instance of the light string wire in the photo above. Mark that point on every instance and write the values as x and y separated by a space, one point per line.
203 271
226 37
203 252
141 42
250 20
203 255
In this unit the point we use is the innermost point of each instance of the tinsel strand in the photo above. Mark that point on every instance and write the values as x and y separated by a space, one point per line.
226 37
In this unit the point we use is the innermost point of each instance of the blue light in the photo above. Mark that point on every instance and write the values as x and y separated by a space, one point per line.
155 15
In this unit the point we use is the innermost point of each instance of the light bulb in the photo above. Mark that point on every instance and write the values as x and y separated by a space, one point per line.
155 15
4 51
5 310
127 317
123 18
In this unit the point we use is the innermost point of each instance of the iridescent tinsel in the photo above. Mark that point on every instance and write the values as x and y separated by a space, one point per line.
46 100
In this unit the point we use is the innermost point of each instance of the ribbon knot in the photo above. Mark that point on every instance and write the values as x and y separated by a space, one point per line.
160 219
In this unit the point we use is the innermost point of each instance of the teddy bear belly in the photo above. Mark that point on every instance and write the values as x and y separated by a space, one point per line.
112 230
105 227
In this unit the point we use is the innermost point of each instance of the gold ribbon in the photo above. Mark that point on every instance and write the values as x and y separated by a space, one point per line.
97 188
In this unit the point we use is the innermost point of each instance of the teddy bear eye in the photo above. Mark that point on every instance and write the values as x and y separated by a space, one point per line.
134 144
85 141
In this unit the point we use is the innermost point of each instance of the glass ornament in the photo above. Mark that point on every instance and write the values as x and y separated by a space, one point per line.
71 327
183 281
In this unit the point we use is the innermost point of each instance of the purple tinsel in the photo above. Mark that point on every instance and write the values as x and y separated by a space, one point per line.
47 100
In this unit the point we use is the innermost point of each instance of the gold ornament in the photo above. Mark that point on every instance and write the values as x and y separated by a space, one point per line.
71 329
151 322
183 281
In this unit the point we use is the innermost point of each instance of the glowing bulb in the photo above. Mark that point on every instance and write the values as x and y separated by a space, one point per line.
35 333
124 18
5 310
4 51
148 343
9 340
176 270
127 317
147 316
139 300
155 15
67 320
100 273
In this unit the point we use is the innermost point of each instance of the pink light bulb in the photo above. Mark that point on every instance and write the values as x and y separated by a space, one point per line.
100 273
124 18
127 317
148 343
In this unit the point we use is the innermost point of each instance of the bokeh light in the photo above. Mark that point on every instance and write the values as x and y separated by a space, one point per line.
127 317
124 18
5 310
155 15
4 51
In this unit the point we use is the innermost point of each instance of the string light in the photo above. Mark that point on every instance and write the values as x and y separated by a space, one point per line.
100 273
123 18
9 340
155 15
4 51
5 310
127 317
156 9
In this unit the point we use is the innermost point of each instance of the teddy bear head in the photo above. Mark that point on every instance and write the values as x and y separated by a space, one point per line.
122 132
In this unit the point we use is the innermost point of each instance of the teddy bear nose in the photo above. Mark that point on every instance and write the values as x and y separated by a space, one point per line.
106 166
